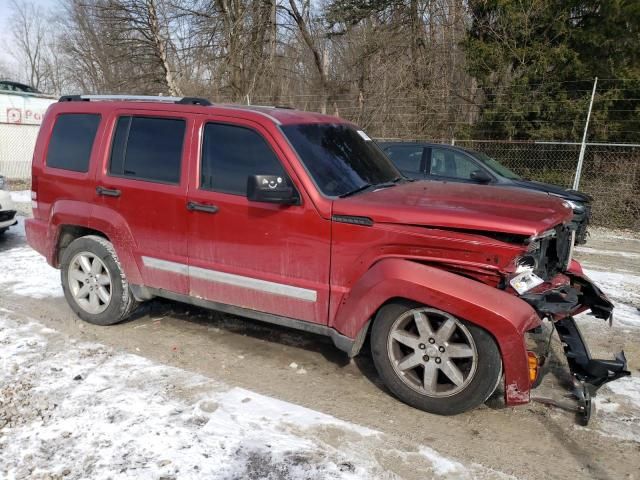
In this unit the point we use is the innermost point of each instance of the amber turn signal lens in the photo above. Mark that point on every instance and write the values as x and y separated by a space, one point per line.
533 366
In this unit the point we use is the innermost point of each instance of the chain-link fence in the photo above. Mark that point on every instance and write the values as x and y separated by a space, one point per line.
16 150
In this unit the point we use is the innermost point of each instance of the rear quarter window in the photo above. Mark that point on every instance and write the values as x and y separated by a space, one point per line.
72 140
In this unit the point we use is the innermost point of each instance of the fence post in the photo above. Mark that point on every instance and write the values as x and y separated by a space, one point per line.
583 147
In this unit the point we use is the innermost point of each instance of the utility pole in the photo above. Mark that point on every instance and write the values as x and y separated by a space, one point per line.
583 147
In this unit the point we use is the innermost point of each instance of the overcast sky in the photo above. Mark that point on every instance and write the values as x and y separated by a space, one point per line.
6 41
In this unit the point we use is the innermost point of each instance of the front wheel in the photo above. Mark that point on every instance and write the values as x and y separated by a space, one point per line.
432 360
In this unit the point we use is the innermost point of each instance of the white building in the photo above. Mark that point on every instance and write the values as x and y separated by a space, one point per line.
21 112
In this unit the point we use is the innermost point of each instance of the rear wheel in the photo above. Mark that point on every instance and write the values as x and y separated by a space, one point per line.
93 281
433 360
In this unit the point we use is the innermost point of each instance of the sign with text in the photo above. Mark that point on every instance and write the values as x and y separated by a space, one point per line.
23 109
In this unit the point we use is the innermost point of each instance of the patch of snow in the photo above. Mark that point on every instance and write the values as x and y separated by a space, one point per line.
25 272
21 196
441 465
613 283
605 405
629 387
82 410
613 421
624 291
626 315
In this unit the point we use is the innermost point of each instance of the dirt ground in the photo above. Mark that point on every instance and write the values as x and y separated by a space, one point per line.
529 442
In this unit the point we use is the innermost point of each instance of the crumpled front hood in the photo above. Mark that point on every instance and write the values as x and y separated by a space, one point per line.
460 206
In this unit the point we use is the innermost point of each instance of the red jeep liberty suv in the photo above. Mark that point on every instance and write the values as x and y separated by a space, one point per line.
299 219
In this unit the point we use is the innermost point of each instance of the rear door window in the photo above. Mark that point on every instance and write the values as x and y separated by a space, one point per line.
72 140
230 154
148 148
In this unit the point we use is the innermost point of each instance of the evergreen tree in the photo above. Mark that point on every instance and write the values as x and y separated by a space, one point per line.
535 60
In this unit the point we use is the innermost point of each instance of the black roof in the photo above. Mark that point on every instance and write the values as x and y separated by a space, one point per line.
384 143
10 86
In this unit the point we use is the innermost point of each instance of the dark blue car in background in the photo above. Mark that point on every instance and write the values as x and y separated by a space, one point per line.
433 161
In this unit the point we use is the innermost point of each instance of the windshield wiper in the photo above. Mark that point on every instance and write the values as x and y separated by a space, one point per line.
353 192
368 186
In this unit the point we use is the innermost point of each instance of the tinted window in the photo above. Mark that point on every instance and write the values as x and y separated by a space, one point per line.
449 163
408 158
339 158
230 154
148 148
71 141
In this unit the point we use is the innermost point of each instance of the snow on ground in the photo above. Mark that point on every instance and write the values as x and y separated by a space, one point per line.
25 271
613 420
82 410
21 196
624 290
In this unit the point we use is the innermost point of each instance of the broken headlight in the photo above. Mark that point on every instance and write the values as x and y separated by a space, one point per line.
524 279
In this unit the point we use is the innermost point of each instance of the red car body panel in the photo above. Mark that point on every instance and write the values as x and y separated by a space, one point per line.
446 204
343 272
502 314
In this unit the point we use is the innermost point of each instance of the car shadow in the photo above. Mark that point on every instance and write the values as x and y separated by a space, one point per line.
160 307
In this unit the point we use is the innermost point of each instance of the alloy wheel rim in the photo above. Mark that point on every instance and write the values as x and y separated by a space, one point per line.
432 352
90 283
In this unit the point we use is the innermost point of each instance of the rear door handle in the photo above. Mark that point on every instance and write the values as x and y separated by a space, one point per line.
201 207
108 192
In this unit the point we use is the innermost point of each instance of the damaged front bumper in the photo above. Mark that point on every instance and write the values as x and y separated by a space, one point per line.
560 304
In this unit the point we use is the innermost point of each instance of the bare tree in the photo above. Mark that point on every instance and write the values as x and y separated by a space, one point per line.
395 66
29 36
139 31
303 20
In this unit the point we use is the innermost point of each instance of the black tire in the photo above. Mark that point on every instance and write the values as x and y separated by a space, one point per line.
122 301
483 383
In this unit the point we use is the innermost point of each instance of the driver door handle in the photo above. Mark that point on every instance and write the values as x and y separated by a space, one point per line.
108 192
201 207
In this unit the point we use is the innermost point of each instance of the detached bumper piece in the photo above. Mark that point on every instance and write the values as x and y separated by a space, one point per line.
589 374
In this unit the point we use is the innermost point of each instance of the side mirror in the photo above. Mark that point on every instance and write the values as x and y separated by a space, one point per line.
481 176
271 189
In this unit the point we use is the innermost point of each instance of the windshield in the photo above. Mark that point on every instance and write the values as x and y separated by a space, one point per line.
496 166
340 159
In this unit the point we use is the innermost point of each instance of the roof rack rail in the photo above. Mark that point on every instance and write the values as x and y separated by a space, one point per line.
285 107
136 98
